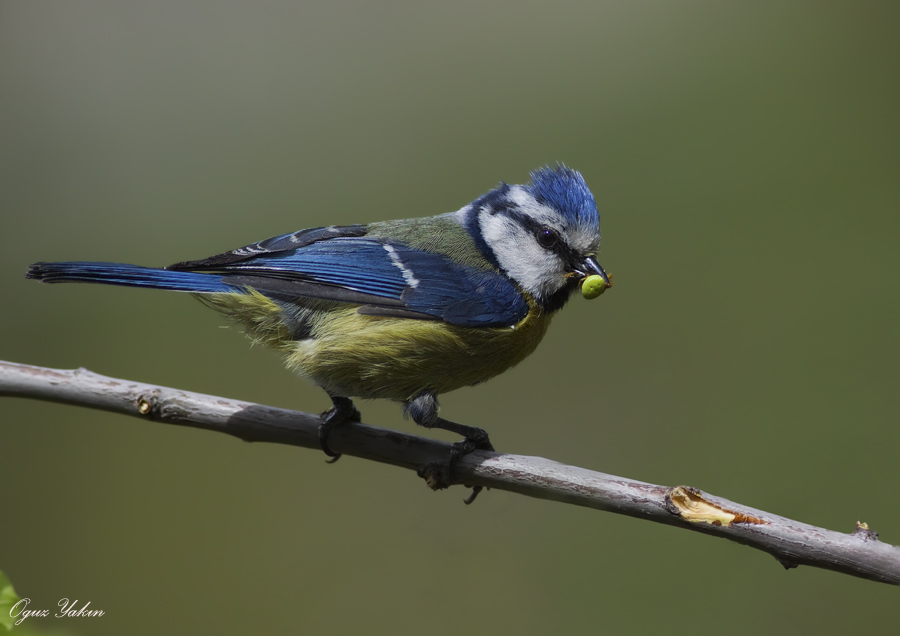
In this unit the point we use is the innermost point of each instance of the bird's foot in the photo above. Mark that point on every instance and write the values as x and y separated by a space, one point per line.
476 439
424 411
343 411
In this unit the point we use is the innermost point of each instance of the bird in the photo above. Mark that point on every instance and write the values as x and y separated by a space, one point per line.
402 310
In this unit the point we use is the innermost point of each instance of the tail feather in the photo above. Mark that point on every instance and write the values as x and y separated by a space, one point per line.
128 276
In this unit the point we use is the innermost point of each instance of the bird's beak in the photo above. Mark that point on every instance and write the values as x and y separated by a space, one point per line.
591 266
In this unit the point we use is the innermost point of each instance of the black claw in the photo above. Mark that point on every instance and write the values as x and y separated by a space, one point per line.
471 498
478 440
457 451
324 431
343 411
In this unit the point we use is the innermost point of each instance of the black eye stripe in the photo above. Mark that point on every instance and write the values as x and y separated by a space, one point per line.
560 247
530 224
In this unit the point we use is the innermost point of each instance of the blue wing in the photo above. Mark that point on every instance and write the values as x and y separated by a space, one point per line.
333 263
387 278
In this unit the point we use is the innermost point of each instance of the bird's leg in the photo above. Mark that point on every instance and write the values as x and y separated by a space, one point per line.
343 411
423 410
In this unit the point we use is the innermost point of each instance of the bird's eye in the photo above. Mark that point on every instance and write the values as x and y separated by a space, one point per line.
547 237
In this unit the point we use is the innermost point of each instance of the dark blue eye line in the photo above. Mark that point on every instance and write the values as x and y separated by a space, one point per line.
551 240
547 237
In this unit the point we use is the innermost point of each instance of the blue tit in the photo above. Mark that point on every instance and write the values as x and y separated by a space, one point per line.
403 310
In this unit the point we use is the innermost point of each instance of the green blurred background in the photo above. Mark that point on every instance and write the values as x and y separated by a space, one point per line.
745 158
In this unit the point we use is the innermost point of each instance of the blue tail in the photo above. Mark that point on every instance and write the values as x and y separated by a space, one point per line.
128 276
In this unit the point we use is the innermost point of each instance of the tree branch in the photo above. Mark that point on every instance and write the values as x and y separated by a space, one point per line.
792 543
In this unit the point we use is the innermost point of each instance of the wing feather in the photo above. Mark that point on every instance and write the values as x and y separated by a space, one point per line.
387 279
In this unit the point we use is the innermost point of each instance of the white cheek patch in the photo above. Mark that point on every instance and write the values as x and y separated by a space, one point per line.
408 275
537 270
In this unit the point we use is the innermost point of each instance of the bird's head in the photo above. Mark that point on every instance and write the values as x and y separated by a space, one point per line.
543 235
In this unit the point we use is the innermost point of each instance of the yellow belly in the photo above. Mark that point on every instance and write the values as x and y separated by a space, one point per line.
356 355
395 358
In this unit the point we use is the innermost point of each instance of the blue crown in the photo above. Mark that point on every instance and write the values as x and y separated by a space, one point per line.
565 190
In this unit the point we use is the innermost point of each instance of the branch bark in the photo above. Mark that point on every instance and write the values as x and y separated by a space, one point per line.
792 543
